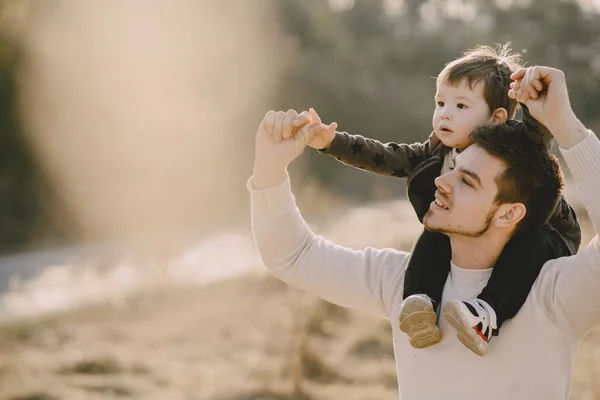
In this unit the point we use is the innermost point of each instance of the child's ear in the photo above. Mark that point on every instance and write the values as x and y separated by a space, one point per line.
499 116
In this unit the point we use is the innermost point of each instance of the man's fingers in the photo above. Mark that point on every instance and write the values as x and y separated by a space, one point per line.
518 74
526 78
537 84
301 119
523 96
516 85
528 89
546 75
531 81
290 115
303 133
532 88
536 80
269 121
531 91
523 90
540 73
278 127
514 88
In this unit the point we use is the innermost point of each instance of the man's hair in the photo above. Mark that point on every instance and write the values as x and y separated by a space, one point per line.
493 67
532 176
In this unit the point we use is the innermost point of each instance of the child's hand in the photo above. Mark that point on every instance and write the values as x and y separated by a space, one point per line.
317 134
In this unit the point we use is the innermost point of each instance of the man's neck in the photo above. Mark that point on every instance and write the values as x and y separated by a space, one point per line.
476 253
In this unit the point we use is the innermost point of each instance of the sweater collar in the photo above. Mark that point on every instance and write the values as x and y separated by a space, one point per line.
464 276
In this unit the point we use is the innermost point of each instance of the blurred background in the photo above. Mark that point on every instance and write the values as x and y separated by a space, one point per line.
127 268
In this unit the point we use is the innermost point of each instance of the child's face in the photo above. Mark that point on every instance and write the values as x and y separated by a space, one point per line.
458 111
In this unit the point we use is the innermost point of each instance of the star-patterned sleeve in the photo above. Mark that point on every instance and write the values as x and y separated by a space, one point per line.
390 159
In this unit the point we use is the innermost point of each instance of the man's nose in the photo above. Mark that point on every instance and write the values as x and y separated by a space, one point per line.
443 183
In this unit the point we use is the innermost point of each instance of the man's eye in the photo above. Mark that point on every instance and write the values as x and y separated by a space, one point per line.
461 106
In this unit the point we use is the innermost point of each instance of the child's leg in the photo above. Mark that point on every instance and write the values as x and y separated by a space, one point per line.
517 269
428 266
423 285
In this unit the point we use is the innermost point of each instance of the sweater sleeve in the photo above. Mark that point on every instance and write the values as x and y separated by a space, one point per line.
368 280
390 159
569 288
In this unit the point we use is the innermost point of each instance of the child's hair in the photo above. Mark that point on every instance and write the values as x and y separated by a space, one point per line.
493 67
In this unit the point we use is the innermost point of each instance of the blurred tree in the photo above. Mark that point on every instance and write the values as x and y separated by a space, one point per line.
369 65
20 206
371 70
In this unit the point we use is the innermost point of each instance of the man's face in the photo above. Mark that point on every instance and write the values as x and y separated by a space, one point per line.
458 111
464 203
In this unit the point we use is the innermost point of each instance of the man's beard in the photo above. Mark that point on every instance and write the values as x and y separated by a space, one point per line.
474 234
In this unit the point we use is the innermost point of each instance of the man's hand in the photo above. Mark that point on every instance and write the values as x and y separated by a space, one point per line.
544 91
276 147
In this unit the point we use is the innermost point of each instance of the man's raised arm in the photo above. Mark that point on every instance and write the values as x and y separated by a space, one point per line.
569 288
368 280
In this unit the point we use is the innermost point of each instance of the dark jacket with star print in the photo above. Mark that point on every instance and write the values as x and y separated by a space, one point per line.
421 163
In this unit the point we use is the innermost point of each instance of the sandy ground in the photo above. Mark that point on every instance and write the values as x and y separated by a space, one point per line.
247 338
250 338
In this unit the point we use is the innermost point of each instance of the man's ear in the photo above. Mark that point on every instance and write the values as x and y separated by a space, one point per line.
509 215
499 116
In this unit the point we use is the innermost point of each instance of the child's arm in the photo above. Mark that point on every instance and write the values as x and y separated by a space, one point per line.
391 159
535 131
565 221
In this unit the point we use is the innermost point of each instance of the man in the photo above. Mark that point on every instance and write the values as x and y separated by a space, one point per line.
534 357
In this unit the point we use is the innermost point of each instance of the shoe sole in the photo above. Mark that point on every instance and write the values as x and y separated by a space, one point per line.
425 337
464 332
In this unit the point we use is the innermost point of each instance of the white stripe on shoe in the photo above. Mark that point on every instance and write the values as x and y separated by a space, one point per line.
474 323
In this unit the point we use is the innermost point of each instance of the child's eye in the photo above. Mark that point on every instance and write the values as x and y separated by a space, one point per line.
466 182
461 106
440 104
